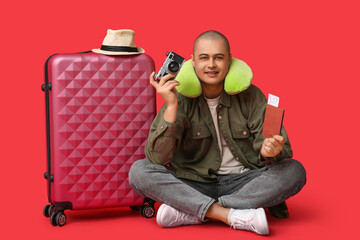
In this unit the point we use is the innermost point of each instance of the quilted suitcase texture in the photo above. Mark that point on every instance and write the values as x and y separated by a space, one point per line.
99 111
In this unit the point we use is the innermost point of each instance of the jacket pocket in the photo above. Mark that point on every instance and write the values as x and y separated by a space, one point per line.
244 141
240 132
199 131
198 141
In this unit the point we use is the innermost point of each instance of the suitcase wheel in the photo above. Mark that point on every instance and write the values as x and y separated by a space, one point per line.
49 210
58 219
46 211
147 211
52 219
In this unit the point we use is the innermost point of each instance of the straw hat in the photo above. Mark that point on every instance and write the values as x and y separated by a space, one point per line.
119 42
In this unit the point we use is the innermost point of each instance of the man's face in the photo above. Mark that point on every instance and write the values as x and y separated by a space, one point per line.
211 61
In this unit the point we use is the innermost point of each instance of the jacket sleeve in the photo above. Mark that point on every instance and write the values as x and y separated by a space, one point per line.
164 138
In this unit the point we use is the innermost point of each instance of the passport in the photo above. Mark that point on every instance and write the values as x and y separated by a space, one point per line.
273 121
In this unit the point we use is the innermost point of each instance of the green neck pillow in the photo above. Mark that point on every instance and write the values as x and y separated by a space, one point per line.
237 80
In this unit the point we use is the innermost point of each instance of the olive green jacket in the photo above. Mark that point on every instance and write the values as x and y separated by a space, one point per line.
190 145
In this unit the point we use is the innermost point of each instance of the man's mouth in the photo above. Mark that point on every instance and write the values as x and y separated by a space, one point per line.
212 73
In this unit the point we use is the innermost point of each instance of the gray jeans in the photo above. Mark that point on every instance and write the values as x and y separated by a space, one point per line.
263 187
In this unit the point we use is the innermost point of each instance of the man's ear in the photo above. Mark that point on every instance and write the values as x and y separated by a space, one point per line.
192 60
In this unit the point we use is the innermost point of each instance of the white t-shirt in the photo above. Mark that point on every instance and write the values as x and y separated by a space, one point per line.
229 165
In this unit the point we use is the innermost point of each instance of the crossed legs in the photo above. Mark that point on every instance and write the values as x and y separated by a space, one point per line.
261 188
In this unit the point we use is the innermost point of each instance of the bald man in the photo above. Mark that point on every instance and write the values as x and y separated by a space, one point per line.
218 174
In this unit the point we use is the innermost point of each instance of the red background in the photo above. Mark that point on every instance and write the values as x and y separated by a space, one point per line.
306 52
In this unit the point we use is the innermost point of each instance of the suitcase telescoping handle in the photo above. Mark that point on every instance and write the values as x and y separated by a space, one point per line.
46 87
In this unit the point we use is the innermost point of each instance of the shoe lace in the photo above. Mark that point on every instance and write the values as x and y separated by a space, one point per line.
242 221
187 217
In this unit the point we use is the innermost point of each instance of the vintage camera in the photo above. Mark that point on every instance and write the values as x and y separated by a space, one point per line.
172 65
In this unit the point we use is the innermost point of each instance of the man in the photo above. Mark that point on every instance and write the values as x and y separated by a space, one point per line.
206 156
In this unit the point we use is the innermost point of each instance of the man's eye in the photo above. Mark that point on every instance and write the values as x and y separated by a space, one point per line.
220 57
202 58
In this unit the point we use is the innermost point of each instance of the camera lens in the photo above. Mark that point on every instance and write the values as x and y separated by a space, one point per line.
173 67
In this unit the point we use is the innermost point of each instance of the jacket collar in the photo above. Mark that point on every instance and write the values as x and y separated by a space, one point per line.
225 99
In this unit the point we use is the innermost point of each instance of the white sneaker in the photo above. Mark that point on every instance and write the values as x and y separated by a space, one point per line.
249 219
170 217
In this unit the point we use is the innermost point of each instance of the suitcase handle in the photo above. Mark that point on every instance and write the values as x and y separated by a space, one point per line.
46 87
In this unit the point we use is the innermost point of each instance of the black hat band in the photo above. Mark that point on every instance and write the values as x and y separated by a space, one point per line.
118 49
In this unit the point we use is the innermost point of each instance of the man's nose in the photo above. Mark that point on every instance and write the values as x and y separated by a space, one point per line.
212 63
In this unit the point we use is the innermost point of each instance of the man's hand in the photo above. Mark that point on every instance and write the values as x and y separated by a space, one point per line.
167 91
272 146
165 88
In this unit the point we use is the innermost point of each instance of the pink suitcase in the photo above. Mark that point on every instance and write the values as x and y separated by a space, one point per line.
99 110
